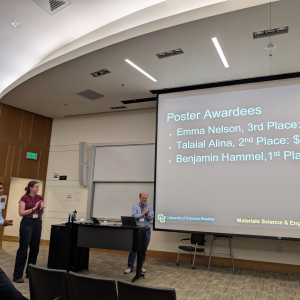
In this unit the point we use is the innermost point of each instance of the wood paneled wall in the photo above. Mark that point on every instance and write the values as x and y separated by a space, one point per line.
21 132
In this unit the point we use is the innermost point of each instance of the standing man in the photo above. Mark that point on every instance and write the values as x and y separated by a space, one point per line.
143 214
7 289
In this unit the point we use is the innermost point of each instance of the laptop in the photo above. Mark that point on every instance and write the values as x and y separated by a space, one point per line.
95 221
128 221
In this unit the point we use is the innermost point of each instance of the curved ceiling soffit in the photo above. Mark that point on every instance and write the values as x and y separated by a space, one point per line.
142 22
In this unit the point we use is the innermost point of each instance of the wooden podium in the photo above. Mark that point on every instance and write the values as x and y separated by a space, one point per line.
114 238
63 251
70 243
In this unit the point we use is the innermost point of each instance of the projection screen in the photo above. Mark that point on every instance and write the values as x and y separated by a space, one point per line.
228 160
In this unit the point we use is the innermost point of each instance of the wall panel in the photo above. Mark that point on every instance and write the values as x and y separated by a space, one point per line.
9 160
21 132
16 161
38 132
10 122
3 155
26 126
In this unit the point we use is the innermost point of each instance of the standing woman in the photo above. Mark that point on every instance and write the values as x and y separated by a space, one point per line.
31 207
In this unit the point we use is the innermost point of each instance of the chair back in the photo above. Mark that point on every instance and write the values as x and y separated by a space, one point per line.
48 284
131 291
86 287
198 238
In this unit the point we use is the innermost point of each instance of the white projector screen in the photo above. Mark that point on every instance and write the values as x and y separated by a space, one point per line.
228 160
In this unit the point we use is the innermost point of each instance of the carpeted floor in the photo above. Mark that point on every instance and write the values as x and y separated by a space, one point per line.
219 283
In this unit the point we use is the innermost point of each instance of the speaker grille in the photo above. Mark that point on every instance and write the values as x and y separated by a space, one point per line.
89 94
53 6
139 100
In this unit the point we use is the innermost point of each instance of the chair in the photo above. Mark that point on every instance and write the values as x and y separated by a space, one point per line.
230 254
196 239
48 284
131 291
83 287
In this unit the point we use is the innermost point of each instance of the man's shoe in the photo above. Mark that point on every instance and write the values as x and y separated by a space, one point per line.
18 280
144 270
127 271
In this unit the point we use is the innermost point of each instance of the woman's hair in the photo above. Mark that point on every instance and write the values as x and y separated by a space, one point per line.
31 184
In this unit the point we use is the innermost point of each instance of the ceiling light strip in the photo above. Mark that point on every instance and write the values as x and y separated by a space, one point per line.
220 51
139 69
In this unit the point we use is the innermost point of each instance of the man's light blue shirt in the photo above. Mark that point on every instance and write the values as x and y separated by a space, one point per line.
1 218
137 211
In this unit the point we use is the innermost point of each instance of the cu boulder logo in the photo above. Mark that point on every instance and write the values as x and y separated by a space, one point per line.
161 218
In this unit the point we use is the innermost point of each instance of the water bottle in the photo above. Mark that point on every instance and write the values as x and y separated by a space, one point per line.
74 215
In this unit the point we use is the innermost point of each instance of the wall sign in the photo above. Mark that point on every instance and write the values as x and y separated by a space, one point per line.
31 155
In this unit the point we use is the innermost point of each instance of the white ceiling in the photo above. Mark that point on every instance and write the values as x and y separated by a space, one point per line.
64 61
40 33
42 36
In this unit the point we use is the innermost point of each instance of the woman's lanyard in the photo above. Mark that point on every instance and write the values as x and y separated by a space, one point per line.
35 214
32 200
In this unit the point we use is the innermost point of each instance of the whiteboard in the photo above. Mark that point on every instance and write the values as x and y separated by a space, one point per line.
118 174
113 200
124 163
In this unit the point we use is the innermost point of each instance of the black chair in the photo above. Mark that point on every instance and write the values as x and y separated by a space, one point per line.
83 287
197 239
48 284
131 291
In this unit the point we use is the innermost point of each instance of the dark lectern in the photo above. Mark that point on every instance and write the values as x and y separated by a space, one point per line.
63 251
114 238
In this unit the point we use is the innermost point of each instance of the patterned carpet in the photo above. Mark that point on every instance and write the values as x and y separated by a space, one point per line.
199 284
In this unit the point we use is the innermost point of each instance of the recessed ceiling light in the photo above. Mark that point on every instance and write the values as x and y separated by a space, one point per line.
161 55
177 51
169 53
258 34
282 29
16 23
100 73
220 51
270 32
139 69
